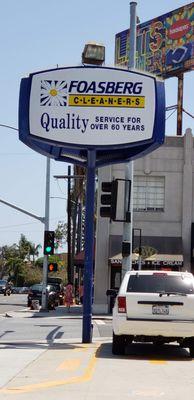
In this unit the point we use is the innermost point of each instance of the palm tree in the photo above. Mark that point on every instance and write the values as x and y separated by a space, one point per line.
34 250
27 248
23 247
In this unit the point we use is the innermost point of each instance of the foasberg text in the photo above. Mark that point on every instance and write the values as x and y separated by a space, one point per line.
105 87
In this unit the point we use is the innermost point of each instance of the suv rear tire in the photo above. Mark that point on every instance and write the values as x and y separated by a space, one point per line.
118 344
191 348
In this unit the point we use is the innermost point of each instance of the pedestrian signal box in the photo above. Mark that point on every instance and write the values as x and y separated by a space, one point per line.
52 267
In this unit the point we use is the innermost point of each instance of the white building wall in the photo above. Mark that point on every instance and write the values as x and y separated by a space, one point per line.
187 202
175 161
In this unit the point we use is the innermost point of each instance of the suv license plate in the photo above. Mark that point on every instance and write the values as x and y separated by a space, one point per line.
161 310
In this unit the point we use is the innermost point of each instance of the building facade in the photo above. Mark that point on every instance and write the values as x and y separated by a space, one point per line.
163 210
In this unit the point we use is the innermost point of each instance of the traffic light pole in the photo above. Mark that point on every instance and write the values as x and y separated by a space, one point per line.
45 260
89 248
127 226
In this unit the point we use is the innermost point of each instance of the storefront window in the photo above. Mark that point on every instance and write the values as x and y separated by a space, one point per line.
148 193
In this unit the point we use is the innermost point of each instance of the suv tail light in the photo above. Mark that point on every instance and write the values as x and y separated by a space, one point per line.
121 304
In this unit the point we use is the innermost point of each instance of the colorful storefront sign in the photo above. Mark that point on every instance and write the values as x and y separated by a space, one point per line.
165 45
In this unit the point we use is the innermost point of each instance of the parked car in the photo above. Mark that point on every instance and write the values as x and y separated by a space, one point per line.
154 306
57 282
20 289
24 290
35 293
14 289
5 287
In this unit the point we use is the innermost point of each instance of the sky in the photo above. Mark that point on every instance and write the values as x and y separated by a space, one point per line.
38 35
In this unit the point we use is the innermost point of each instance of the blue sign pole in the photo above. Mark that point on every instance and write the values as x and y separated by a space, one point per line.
89 248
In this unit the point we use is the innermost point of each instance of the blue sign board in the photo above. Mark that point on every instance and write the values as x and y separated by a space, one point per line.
64 112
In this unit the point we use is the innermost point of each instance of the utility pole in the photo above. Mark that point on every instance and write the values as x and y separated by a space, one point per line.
69 214
127 226
79 228
180 104
46 227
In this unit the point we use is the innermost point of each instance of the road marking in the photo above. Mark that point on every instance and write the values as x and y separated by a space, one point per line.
158 361
85 377
69 365
99 322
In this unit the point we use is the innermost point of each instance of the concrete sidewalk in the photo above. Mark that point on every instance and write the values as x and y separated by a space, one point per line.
56 369
76 311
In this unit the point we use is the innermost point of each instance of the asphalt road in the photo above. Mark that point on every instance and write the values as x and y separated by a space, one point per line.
18 323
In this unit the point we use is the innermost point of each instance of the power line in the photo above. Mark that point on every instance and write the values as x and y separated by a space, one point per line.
174 107
186 112
13 226
170 115
28 223
169 108
10 231
60 188
10 127
15 154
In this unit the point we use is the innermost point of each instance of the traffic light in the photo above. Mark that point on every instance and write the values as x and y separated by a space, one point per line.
109 199
52 267
49 242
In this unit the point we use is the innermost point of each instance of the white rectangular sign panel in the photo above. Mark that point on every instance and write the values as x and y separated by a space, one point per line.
92 106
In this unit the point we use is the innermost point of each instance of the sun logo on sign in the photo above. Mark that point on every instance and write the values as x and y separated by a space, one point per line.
53 93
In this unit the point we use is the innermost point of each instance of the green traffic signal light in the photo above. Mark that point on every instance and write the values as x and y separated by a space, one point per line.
49 242
48 249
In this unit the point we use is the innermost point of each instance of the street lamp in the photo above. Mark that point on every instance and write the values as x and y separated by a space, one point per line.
93 53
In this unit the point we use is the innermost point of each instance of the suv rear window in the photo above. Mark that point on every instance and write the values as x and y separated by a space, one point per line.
160 283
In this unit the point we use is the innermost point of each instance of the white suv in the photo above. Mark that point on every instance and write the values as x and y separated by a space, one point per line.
154 306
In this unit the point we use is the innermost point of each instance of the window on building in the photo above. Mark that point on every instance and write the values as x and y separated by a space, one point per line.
148 193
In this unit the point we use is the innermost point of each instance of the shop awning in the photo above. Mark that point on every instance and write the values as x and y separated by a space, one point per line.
117 259
155 259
